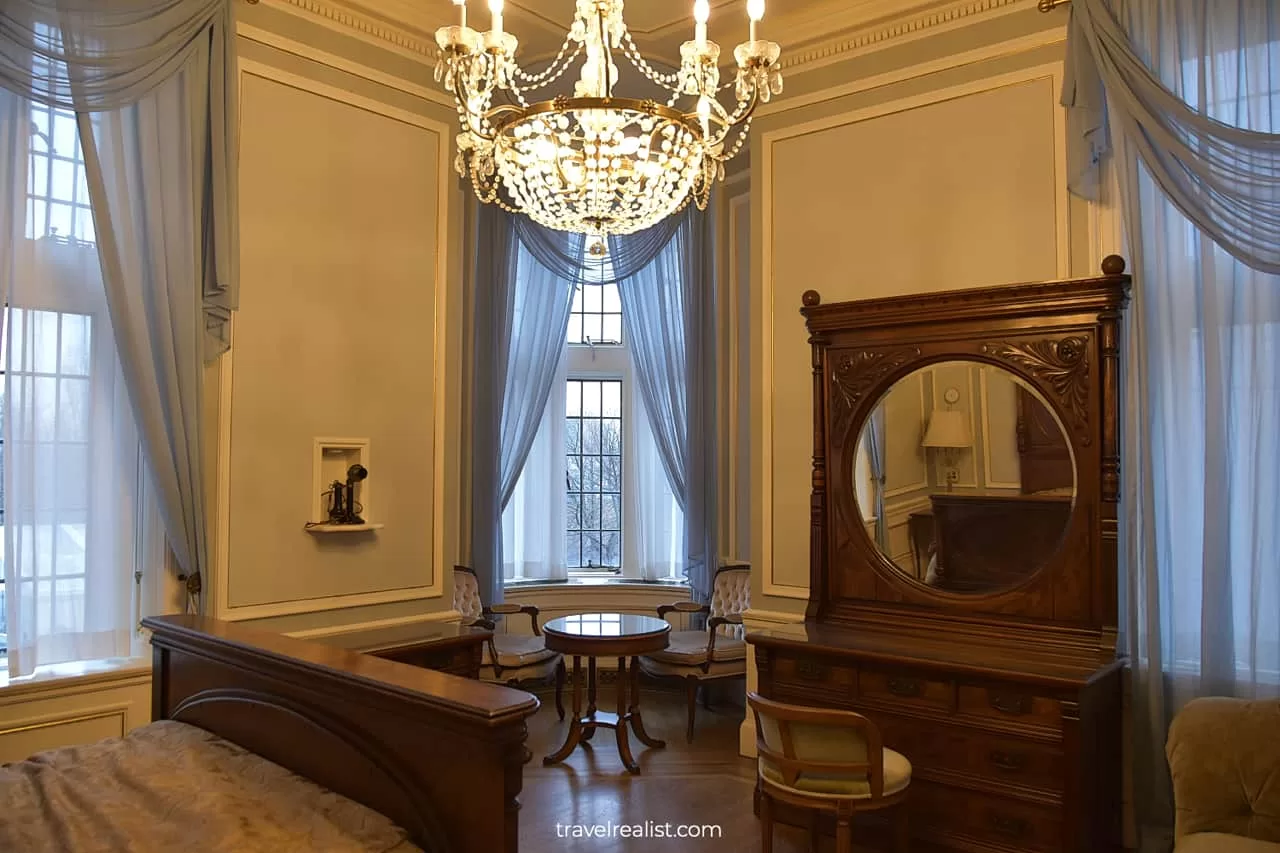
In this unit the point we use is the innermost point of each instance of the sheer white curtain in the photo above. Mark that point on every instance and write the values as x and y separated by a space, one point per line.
1201 502
653 544
533 521
81 526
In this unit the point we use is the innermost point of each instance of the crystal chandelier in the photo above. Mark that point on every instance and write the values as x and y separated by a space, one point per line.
593 163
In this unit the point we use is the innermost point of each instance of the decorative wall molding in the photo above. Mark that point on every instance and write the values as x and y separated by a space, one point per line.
765 312
395 622
219 585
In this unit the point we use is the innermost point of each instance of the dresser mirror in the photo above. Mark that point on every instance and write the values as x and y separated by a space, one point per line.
964 478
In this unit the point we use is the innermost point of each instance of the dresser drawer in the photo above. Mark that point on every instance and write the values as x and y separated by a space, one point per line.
985 756
809 674
1011 703
950 812
905 688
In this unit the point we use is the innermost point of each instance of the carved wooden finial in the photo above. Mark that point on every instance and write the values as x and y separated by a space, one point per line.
1113 265
811 298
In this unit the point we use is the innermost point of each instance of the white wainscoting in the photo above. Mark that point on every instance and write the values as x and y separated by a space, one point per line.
47 714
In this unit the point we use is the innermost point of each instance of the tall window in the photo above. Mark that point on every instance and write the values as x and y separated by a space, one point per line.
595 457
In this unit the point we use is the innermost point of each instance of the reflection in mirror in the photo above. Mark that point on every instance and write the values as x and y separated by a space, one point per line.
964 477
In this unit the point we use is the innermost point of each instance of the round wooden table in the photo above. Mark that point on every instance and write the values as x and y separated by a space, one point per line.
593 635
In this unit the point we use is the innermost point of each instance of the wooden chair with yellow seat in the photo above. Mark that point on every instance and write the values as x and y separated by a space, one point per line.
512 659
829 762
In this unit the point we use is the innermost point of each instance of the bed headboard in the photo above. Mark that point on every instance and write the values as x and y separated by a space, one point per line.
440 755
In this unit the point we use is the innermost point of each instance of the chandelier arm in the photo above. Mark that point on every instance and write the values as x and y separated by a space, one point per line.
474 120
746 108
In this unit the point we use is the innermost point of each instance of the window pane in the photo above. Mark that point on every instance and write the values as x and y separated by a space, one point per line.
75 345
574 334
591 436
44 336
611 436
82 187
611 550
573 436
573 398
64 134
612 328
40 118
611 474
611 512
573 550
611 400
590 474
37 219
60 220
73 410
592 328
591 549
592 299
64 180
72 467
38 177
44 403
591 399
610 303
573 478
84 225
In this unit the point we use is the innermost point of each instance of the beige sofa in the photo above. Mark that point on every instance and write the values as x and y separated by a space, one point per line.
1224 755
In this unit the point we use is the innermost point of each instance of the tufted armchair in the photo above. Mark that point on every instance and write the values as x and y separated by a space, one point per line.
508 658
719 651
1224 757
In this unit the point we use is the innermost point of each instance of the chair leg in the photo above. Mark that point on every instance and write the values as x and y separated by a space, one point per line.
766 823
815 835
560 675
844 830
691 685
902 828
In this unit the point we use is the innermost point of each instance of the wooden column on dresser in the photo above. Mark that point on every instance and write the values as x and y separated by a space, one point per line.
1005 698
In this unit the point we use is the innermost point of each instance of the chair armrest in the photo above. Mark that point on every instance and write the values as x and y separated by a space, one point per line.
511 609
477 622
715 622
682 607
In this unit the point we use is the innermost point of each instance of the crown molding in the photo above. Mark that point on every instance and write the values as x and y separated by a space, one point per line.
906 25
895 22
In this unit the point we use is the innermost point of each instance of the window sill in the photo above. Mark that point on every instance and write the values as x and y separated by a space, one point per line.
76 674
611 581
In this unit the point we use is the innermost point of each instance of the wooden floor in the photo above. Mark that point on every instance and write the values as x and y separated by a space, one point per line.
703 783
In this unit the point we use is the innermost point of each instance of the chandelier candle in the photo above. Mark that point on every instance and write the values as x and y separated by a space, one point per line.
462 13
592 162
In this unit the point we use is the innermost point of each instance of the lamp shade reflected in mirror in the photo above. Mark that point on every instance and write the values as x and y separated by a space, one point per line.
965 478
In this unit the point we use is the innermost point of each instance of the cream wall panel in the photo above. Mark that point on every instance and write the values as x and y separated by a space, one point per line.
904 417
959 187
342 215
999 429
38 716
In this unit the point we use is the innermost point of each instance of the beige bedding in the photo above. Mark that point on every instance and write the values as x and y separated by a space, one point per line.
174 788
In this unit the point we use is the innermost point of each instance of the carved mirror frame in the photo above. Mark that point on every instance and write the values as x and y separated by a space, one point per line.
1060 339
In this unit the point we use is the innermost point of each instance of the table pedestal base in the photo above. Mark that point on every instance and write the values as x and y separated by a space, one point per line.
582 727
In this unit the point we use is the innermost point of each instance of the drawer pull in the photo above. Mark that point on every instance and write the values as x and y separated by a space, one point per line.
1011 703
811 671
1013 761
1014 827
904 686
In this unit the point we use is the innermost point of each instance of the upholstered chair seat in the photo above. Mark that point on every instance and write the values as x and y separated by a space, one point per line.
826 761
1224 759
716 653
509 658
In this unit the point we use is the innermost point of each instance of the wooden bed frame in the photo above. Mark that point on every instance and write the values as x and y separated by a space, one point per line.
440 755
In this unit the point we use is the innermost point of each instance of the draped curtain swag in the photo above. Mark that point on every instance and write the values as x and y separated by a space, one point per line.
1188 89
561 252
1224 177
152 84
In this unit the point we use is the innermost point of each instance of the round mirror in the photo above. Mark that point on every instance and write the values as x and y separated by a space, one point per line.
965 478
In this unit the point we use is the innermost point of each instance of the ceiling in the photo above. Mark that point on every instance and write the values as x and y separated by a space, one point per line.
658 26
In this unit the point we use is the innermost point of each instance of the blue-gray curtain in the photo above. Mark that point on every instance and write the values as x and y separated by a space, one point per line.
1184 92
669 314
521 316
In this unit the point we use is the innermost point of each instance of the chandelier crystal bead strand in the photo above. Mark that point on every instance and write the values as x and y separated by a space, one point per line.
590 162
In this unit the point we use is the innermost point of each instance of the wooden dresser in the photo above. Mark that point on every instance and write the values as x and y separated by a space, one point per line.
1005 697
